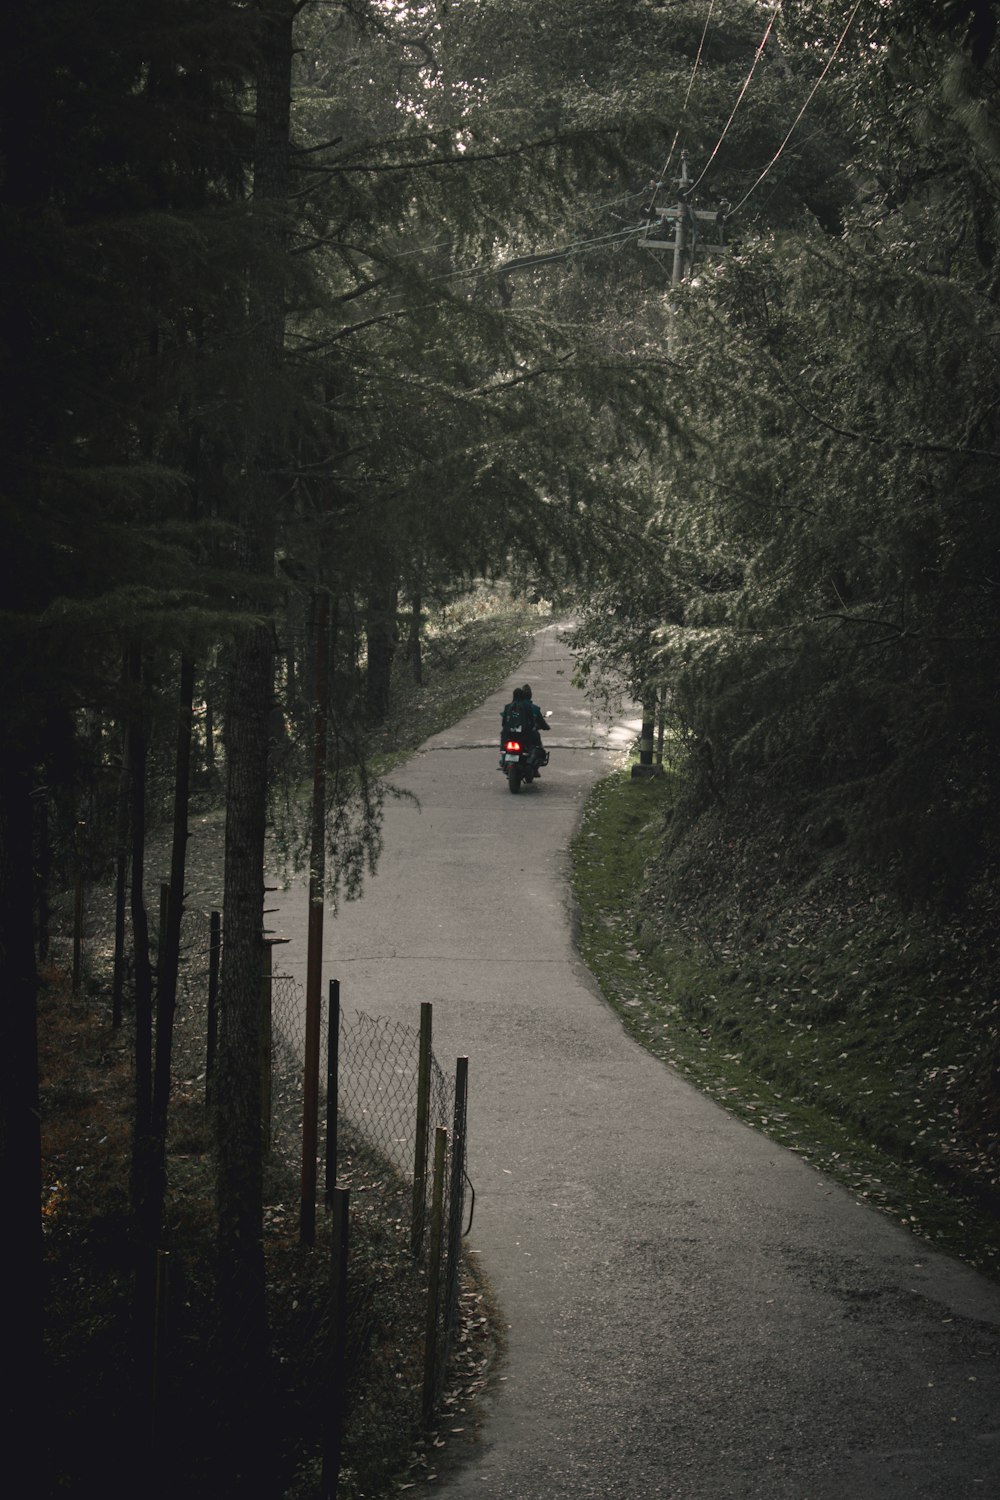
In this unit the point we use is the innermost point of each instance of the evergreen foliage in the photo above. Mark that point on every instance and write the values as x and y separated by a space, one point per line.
347 298
821 602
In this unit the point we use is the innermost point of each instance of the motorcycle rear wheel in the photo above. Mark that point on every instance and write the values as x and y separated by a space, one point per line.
514 778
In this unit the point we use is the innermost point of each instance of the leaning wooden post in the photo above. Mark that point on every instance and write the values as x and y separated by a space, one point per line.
332 1089
434 1277
455 1194
423 1128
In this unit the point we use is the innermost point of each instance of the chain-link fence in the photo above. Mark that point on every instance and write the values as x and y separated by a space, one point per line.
386 1115
376 1138
391 1138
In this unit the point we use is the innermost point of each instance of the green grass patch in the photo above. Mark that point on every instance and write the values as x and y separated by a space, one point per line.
826 1029
466 657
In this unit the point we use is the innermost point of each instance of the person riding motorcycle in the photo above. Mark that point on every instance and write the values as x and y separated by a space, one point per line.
536 721
537 716
514 719
521 720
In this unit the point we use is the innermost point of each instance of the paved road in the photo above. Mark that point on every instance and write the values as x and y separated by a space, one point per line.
694 1313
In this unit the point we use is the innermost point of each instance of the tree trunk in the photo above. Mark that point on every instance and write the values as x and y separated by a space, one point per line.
142 1145
243 1324
382 631
137 755
170 946
121 882
238 1092
20 1156
209 731
317 897
43 867
413 643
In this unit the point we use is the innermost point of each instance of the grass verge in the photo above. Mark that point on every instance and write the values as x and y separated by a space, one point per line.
862 1079
466 657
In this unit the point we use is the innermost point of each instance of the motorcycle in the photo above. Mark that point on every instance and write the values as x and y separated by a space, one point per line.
521 763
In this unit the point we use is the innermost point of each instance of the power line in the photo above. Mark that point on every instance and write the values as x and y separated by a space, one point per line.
576 247
543 257
798 117
680 123
742 92
625 198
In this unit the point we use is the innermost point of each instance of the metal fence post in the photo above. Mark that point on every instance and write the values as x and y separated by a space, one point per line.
332 1089
434 1277
423 1124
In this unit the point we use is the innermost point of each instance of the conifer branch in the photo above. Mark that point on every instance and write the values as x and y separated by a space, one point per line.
323 146
904 445
462 159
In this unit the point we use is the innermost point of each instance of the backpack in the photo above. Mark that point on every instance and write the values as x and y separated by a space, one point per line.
516 720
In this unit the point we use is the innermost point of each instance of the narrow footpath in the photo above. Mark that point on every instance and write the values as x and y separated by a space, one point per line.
694 1313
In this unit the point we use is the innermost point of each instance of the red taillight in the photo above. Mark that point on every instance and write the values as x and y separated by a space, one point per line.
513 747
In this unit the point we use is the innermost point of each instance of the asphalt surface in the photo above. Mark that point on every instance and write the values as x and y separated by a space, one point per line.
694 1313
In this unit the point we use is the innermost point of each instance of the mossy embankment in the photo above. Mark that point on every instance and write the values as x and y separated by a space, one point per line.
854 1031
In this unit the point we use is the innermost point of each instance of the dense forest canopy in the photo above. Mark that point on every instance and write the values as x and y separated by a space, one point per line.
353 301
816 589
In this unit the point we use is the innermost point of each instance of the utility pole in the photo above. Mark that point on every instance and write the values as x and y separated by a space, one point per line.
681 223
686 222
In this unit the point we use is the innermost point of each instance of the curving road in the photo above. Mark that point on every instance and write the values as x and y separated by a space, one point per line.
694 1313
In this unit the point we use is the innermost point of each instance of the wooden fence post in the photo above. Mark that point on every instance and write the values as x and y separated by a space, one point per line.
455 1191
434 1277
334 1438
423 1129
332 1089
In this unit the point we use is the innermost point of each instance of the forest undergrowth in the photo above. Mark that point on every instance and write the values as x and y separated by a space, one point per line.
806 999
98 1385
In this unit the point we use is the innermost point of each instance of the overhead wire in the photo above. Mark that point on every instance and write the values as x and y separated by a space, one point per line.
620 235
616 236
680 123
564 252
561 252
740 96
625 198
798 117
